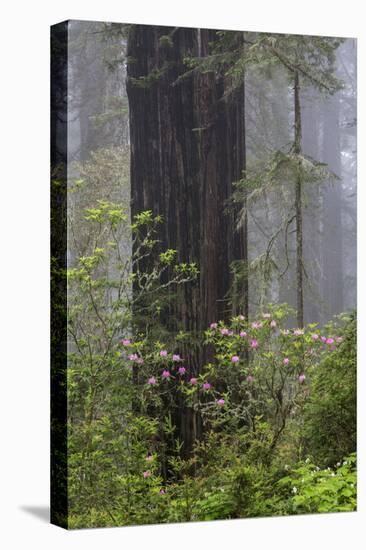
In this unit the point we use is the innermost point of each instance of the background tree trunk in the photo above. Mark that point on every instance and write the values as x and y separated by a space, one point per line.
332 201
311 124
298 209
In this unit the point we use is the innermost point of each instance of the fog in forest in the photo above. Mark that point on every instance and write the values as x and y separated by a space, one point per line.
98 152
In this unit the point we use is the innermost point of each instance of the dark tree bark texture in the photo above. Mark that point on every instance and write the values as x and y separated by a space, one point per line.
59 465
187 149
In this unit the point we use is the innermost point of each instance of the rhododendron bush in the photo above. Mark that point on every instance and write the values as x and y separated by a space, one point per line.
250 417
259 397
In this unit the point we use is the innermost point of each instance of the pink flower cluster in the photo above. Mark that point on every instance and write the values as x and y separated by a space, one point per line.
136 358
226 332
329 341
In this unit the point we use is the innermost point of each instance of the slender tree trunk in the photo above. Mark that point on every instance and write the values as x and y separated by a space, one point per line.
245 226
242 241
332 201
312 220
298 208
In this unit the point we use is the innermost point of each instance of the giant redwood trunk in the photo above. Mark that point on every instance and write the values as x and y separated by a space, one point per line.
187 148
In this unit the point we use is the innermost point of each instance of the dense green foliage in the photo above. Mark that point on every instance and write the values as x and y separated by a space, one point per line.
330 414
277 404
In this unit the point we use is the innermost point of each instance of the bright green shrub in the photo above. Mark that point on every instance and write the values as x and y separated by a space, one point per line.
330 412
322 490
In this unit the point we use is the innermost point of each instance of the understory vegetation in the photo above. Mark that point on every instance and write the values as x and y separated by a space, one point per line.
276 402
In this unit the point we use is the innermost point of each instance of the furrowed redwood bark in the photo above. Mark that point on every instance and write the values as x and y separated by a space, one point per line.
187 149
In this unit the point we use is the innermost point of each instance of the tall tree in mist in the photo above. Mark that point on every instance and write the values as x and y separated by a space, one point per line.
187 147
307 61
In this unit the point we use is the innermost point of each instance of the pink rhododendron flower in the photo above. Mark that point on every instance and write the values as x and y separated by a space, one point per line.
146 474
182 370
266 315
243 334
286 361
162 492
241 318
163 353
193 381
298 332
254 344
220 402
330 341
339 339
273 324
285 332
256 325
213 325
206 386
225 331
135 358
231 332
315 336
302 378
151 381
165 374
250 378
125 342
323 339
176 357
235 359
